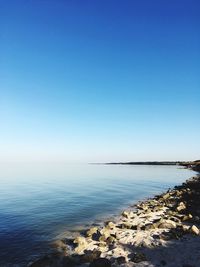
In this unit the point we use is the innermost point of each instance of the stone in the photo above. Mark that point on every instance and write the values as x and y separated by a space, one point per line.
175 219
132 214
153 202
125 214
80 248
110 225
110 240
172 234
144 207
104 234
194 230
92 231
96 236
187 217
79 240
102 244
166 196
169 224
185 228
127 225
150 226
103 238
101 262
190 216
81 244
181 207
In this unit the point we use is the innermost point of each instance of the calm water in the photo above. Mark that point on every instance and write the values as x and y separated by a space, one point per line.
39 202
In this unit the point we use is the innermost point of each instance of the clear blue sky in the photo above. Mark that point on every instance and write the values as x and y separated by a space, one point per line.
99 80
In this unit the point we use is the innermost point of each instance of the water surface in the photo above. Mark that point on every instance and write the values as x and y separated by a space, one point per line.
38 202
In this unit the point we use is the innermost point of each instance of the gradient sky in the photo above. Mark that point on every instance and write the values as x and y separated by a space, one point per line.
99 80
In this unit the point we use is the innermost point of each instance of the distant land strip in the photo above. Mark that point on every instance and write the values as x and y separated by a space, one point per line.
145 163
194 165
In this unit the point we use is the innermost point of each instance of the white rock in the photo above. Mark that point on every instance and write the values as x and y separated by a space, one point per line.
194 230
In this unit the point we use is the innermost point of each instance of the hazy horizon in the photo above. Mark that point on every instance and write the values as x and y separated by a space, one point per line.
96 81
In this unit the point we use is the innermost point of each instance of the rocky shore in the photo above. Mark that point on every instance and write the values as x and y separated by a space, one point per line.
161 231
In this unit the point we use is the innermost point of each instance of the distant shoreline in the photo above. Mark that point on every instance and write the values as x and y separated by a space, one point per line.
193 165
145 163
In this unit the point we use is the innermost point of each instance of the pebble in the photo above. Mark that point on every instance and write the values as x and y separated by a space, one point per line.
194 230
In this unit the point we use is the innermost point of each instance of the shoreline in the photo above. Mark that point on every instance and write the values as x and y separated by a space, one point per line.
159 231
193 165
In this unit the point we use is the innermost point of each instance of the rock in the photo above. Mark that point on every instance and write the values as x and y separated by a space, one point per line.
175 219
80 248
125 214
144 207
92 231
185 228
150 226
96 236
101 262
110 225
181 207
169 224
81 244
103 238
102 244
187 217
132 214
166 196
127 225
79 240
138 257
194 230
156 236
110 240
173 234
153 202
104 234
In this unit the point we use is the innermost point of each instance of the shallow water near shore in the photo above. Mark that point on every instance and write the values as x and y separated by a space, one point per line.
39 202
